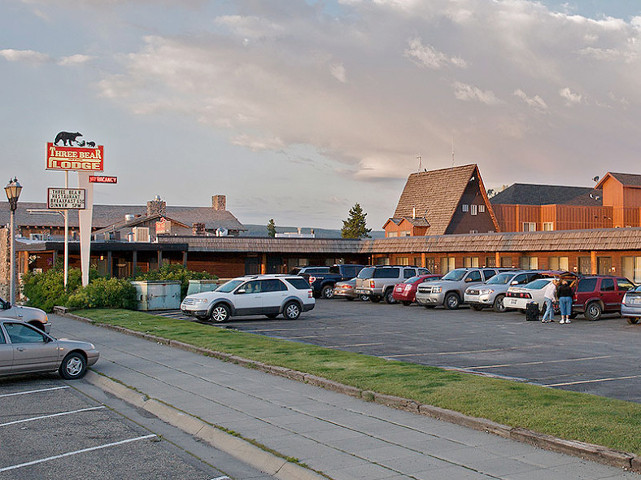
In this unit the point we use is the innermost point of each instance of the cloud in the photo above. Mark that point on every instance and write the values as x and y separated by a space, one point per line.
535 102
428 56
468 93
338 72
26 56
74 60
570 97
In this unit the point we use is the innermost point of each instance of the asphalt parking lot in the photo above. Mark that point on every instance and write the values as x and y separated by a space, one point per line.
54 429
600 358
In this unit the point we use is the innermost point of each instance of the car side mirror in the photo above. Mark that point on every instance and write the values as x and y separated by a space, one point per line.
5 305
468 280
514 282
241 291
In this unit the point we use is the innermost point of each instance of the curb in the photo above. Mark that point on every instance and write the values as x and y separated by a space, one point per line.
588 451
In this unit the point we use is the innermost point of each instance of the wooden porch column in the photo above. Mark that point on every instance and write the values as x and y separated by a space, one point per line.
593 263
159 259
185 259
110 264
134 262
497 259
263 264
423 261
54 257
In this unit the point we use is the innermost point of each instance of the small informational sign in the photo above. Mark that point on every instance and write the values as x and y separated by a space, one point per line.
101 179
66 198
75 158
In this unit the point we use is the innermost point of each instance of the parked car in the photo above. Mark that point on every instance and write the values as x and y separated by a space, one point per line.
406 292
598 294
323 283
27 349
307 271
518 296
449 290
378 282
347 290
631 305
33 316
268 295
492 293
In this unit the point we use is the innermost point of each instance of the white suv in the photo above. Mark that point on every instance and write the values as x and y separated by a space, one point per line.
268 295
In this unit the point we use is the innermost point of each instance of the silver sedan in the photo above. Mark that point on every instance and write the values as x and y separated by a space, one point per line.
631 305
26 349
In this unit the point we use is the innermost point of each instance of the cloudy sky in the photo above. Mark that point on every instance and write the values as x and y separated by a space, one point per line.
296 110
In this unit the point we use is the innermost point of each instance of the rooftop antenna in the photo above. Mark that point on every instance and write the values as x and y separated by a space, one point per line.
452 149
420 165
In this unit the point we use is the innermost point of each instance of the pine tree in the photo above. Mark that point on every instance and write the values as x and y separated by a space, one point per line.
271 228
355 226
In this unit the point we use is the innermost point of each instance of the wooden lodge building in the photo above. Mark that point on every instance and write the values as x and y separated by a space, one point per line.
443 220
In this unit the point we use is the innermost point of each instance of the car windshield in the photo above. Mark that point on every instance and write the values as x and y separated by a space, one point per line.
500 279
538 284
229 286
366 272
455 275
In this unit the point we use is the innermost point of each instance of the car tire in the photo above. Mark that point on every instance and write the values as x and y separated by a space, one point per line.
632 320
291 311
389 296
73 366
220 313
374 298
499 305
452 301
327 291
363 298
593 311
406 303
271 316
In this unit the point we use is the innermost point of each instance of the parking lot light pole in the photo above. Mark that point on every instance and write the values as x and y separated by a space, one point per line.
13 190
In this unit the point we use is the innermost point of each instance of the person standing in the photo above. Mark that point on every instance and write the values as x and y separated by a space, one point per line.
565 295
550 296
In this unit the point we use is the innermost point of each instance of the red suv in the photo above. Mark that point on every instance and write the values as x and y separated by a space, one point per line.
594 295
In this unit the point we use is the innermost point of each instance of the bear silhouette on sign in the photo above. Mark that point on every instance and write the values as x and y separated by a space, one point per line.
91 144
67 138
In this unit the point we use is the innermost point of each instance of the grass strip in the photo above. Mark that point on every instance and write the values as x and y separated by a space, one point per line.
569 415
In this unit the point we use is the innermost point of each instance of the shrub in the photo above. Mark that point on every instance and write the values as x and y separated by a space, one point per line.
176 272
104 293
46 289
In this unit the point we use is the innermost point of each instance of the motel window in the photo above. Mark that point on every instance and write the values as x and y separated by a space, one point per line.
474 209
529 226
548 226
382 261
402 261
447 264
506 262
481 208
465 207
490 261
604 265
585 265
529 263
392 234
471 262
559 263
631 268
430 264
404 233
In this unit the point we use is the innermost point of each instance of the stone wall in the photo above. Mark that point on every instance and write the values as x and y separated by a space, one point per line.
5 267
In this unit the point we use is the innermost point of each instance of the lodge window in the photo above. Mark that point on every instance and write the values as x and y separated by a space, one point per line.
382 261
529 226
471 262
559 263
529 263
402 261
474 231
481 208
392 234
473 209
465 207
548 226
404 233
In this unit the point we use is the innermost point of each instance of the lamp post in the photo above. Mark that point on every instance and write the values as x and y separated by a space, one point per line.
13 190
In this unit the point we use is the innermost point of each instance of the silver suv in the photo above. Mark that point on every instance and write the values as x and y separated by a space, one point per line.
492 293
378 282
450 289
268 295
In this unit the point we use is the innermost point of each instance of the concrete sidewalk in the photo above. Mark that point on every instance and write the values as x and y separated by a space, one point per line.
343 437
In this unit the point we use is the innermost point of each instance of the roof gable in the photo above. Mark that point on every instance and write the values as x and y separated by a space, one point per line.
625 179
533 194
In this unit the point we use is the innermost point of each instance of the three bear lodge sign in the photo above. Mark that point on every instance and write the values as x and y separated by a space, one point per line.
73 154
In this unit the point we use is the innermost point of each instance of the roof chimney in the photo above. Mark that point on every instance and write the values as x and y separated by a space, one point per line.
219 202
156 206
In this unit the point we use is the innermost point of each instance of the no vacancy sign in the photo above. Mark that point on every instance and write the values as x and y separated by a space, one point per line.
66 199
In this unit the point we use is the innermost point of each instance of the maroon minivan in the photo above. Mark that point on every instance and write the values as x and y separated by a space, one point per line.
598 294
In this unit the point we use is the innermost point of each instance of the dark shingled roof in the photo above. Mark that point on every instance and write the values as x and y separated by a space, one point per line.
531 194
627 179
107 215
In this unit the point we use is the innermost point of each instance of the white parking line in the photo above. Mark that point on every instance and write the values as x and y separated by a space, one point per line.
84 450
596 380
540 362
32 391
24 420
488 350
354 345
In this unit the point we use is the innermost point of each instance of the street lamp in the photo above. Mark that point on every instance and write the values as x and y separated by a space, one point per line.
13 190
